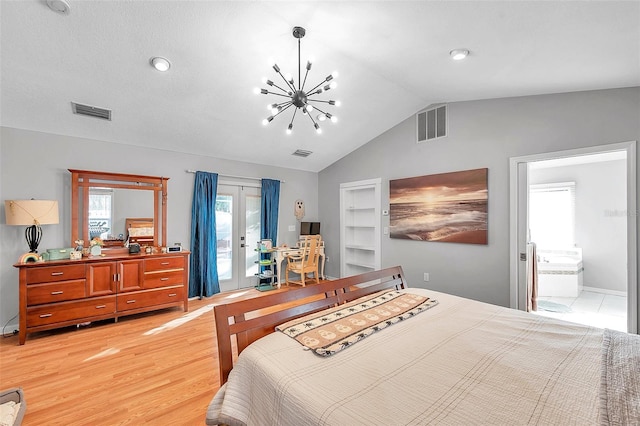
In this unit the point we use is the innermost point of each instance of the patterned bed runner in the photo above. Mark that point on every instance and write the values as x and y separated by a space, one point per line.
330 332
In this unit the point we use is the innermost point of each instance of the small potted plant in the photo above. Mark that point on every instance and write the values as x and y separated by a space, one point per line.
96 244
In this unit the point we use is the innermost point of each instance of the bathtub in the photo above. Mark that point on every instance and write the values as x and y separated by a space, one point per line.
560 272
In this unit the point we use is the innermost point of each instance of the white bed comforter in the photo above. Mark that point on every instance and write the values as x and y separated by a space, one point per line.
460 363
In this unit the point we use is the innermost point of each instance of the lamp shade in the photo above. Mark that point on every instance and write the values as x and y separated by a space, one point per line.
31 212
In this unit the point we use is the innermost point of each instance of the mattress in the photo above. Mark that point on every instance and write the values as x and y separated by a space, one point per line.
460 362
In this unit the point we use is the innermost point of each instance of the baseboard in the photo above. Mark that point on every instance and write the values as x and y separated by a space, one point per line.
10 329
605 291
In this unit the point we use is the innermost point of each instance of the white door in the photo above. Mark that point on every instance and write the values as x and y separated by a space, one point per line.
238 232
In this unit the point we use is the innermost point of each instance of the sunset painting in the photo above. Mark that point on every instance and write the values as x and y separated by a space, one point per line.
447 207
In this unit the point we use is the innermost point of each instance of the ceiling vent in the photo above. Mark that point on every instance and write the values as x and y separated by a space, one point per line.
91 111
431 123
302 153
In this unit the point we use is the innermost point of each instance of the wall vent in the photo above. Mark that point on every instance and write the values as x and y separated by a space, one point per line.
302 153
91 111
431 123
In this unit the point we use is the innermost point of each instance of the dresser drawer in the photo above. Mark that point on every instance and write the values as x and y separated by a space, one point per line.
163 278
39 294
146 298
69 311
49 274
162 263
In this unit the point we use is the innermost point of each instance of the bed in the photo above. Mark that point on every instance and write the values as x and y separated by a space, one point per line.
458 361
140 230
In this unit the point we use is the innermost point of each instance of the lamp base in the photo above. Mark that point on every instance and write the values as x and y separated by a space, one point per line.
33 234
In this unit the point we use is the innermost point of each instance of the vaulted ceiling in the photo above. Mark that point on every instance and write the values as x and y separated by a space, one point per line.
392 56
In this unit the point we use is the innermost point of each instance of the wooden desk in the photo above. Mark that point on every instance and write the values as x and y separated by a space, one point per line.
280 254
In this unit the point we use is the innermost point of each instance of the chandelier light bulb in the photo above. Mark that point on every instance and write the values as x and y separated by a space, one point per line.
334 74
290 128
318 129
333 84
265 122
338 103
334 119
310 108
321 117
256 90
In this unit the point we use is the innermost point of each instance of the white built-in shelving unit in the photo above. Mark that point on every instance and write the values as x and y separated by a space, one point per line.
360 221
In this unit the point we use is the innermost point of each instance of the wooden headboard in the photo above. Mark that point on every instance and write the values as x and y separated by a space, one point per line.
140 223
250 319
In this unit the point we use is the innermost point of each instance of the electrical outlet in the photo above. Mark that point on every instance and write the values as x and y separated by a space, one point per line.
426 276
292 228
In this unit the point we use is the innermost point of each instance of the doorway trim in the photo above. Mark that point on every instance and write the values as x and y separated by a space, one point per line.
515 265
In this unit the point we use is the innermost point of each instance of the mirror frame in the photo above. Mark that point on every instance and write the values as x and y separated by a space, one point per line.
83 180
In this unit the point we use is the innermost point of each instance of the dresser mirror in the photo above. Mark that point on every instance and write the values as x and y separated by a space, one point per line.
116 207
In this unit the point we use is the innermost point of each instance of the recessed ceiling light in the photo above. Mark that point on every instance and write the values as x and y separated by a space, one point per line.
159 63
459 54
60 6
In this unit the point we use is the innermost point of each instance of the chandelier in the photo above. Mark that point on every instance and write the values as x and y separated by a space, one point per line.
299 97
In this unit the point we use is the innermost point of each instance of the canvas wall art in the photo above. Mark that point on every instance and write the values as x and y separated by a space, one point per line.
446 207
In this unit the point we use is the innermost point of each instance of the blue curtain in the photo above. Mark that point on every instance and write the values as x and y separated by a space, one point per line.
203 279
270 196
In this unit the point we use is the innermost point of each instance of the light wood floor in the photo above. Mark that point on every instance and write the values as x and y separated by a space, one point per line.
158 368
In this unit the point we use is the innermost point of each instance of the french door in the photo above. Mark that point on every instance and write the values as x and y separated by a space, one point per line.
238 233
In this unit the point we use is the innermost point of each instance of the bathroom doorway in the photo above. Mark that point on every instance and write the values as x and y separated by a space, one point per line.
574 205
577 208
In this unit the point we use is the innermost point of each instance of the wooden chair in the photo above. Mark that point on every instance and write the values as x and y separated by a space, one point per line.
305 262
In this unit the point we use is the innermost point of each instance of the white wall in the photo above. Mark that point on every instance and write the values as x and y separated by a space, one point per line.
34 165
600 191
483 133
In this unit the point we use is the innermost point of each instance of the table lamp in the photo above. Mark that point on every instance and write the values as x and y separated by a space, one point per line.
32 213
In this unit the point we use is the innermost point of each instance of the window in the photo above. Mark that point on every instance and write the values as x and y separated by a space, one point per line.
552 214
100 212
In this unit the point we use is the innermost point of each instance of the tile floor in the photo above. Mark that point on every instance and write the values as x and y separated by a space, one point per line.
591 308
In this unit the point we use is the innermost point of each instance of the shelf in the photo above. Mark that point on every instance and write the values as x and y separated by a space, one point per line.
265 277
350 209
356 247
360 225
361 265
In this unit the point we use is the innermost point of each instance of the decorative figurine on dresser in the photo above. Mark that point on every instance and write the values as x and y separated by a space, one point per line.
108 281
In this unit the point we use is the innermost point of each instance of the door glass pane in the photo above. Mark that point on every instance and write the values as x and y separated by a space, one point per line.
224 230
252 234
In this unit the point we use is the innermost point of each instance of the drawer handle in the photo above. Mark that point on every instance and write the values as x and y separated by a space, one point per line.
57 274
164 279
101 306
57 292
173 295
131 301
45 315
164 263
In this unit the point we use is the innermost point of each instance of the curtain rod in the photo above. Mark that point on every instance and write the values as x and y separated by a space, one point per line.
233 176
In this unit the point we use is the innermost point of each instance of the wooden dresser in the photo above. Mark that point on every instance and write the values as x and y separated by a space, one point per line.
68 292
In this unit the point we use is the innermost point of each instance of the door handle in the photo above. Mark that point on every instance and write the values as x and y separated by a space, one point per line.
523 257
241 245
